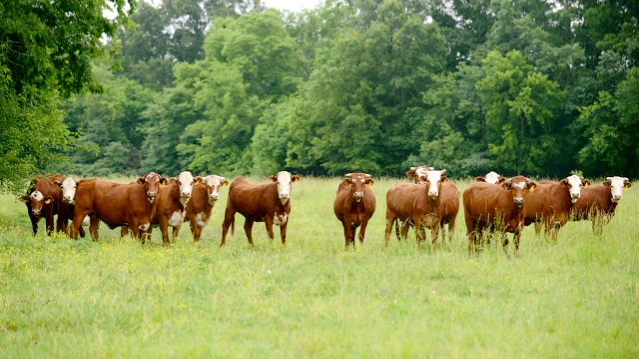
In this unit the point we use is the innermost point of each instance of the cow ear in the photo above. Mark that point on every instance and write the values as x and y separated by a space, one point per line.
585 183
48 200
272 178
506 185
627 185
531 185
346 181
411 173
606 183
444 179
25 199
224 183
501 180
295 178
563 183
197 180
369 182
163 181
141 181
480 179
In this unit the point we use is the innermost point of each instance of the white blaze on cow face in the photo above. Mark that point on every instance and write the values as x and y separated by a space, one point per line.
433 181
617 185
186 181
575 184
213 185
284 183
69 186
492 177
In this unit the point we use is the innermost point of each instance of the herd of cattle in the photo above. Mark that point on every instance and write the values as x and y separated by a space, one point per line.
493 205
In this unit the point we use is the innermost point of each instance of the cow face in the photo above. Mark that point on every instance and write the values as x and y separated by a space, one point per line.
152 182
68 186
284 181
186 181
617 186
36 201
434 181
357 181
574 183
419 173
491 177
519 186
213 184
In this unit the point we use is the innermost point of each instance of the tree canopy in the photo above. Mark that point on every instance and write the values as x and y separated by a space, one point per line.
231 87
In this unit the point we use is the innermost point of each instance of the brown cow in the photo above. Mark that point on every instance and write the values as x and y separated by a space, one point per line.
550 204
200 206
269 203
450 201
598 203
169 207
114 204
496 208
417 204
41 202
354 205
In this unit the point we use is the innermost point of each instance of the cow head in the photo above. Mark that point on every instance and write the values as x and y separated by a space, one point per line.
617 186
68 186
213 184
36 201
519 186
284 181
185 182
419 173
152 182
574 183
491 177
434 181
357 182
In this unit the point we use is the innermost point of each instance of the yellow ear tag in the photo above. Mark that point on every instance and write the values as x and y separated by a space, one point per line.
531 189
445 181
625 188
587 185
47 201
370 184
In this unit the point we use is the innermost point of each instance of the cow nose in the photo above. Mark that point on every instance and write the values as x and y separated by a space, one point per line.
186 194
214 197
519 201
358 196
616 198
432 194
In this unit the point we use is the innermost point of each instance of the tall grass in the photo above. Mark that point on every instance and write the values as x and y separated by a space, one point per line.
574 299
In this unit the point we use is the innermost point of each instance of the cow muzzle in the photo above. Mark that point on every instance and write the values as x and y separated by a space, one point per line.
150 198
518 201
574 198
284 198
68 199
616 198
357 196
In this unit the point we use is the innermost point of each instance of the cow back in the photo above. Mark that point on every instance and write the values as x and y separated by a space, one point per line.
113 203
254 201
594 199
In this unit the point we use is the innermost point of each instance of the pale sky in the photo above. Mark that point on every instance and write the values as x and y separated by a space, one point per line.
292 5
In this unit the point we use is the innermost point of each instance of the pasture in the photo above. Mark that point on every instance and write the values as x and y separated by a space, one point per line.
578 298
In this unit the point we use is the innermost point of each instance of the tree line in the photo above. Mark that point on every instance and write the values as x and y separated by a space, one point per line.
230 87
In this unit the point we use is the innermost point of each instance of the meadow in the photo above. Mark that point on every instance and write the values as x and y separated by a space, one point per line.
577 298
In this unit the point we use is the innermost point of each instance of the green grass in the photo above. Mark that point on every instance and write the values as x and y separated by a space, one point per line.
62 298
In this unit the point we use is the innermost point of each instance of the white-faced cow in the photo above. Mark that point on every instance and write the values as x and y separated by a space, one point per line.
41 202
354 205
598 203
200 206
551 203
418 205
491 177
269 203
496 208
450 203
115 204
169 207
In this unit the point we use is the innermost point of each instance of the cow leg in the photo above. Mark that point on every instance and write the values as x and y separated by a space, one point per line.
94 228
362 231
34 223
196 230
451 229
505 244
405 227
353 232
248 228
390 219
349 232
434 233
124 231
268 222
283 233
176 231
164 228
229 219
61 224
49 223
538 229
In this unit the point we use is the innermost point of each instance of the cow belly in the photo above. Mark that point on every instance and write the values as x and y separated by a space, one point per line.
176 219
202 219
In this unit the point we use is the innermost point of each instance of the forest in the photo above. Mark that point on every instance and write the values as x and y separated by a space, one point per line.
535 87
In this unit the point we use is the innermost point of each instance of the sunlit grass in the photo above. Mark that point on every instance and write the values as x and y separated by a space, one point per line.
62 298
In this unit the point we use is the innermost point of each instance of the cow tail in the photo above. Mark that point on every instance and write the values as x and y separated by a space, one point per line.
233 226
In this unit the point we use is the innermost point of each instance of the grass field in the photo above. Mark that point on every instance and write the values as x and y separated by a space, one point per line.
578 298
